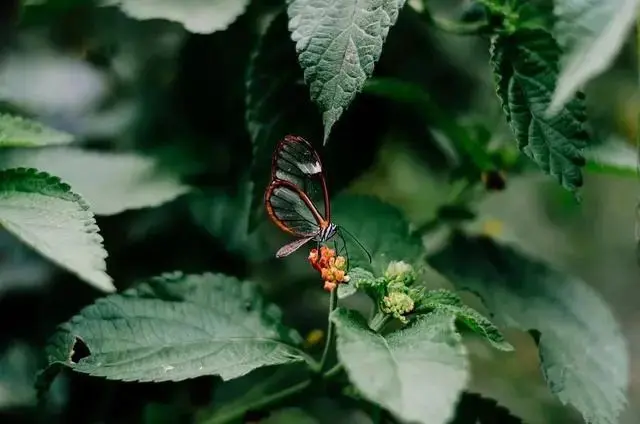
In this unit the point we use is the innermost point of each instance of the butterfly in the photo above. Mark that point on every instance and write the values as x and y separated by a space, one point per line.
297 199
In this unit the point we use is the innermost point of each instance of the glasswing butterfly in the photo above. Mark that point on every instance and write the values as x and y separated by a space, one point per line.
297 188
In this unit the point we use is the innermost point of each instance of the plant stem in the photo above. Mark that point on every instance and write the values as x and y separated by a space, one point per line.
637 229
379 321
259 404
333 304
269 400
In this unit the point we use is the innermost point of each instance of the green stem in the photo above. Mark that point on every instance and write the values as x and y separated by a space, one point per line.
269 400
274 398
638 136
333 304
379 321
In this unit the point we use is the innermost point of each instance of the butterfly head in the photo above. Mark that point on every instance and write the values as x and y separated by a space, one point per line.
327 232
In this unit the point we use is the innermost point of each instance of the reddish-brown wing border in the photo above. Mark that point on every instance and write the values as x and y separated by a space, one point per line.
323 181
322 223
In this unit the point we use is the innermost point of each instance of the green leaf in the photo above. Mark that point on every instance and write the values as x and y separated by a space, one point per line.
613 157
380 227
591 34
276 104
525 69
44 213
417 373
176 327
357 275
447 301
110 182
225 215
338 44
198 16
582 350
16 131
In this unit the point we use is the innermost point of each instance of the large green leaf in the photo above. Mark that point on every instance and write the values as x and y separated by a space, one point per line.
176 327
591 33
338 43
44 213
16 131
525 66
277 104
582 351
417 373
110 182
199 16
380 227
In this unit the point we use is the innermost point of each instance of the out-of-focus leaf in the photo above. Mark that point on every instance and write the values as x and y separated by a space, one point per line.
338 44
417 373
613 157
380 227
583 353
110 182
277 105
176 327
199 16
16 131
43 212
591 33
525 67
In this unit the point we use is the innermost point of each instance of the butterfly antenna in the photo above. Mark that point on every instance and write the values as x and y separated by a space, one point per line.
364 249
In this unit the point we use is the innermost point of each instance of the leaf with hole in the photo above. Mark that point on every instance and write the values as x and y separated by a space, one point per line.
525 67
175 327
338 45
44 213
419 370
583 353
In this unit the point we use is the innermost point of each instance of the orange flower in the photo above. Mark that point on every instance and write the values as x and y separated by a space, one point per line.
332 268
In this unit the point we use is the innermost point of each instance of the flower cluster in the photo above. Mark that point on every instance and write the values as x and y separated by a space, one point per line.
331 267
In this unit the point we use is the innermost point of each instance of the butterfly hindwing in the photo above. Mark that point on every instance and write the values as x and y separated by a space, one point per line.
289 248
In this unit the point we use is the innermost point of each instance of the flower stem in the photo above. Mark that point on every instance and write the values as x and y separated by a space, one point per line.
379 321
333 304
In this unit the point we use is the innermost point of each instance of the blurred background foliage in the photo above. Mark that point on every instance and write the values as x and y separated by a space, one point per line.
154 89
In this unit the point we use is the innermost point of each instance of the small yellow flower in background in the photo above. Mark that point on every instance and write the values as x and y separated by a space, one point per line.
314 337
332 268
493 227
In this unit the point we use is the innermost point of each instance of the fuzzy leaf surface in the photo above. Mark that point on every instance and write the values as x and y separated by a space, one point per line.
44 213
447 301
338 44
583 353
176 327
419 370
525 67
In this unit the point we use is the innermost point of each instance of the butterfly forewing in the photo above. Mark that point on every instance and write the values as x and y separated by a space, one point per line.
297 162
292 210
